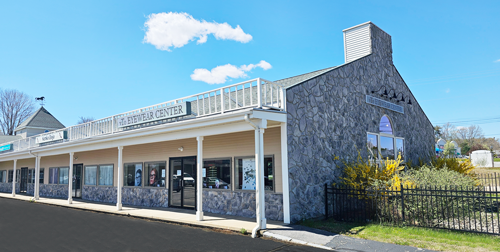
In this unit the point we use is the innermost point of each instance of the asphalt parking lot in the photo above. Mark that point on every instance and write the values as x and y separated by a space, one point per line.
37 227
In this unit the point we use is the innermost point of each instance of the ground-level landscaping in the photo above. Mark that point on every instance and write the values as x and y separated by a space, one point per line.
434 239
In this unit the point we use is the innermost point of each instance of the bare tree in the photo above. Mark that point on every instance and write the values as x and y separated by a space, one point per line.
15 107
84 119
448 131
472 135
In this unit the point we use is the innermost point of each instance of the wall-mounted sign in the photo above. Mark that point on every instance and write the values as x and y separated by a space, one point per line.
384 104
51 137
6 147
176 110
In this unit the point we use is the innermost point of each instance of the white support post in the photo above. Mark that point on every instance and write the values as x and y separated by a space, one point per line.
259 94
284 173
222 101
120 180
14 179
36 189
70 179
262 192
199 181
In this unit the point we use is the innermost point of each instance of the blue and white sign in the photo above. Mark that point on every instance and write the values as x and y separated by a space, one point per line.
6 147
384 104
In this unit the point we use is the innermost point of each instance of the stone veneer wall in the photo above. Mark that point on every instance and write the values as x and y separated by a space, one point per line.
7 187
328 116
30 190
105 194
149 197
54 191
241 203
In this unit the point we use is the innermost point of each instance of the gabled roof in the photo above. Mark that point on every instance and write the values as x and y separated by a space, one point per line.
292 81
41 119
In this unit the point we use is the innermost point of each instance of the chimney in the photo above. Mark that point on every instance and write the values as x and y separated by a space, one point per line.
365 39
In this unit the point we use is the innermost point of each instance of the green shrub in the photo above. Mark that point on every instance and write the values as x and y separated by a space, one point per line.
430 176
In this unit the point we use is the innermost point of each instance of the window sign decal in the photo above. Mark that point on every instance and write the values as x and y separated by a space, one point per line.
249 174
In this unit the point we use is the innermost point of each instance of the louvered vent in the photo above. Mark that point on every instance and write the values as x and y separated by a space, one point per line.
357 42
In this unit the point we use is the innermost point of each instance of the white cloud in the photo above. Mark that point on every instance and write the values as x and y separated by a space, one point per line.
447 90
166 30
220 74
496 61
461 127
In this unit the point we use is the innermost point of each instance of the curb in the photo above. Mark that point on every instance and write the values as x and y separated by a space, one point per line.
268 234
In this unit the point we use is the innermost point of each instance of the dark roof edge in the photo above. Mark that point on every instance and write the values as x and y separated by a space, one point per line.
332 68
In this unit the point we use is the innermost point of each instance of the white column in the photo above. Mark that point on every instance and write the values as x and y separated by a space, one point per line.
36 189
284 173
70 179
14 179
120 180
261 185
199 181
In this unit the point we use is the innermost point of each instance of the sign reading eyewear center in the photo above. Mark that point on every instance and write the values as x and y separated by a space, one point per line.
176 110
6 147
51 137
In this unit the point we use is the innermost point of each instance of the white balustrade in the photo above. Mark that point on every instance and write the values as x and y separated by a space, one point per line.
257 93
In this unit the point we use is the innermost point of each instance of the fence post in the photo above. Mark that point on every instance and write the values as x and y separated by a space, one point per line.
326 201
402 203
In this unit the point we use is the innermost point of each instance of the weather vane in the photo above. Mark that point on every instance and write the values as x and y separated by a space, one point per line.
41 100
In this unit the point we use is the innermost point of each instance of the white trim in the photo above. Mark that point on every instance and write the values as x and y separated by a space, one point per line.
284 173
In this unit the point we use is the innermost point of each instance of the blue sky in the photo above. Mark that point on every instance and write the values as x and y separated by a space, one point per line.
91 58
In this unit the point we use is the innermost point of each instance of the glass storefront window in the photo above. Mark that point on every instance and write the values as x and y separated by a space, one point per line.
31 176
400 148
11 176
387 147
372 144
63 175
385 125
90 175
245 173
156 174
53 175
106 175
2 176
41 175
133 174
217 174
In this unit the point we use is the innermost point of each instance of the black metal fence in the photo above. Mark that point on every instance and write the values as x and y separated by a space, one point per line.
491 181
454 208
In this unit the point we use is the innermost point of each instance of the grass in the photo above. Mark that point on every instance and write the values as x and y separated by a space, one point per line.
434 239
496 160
483 170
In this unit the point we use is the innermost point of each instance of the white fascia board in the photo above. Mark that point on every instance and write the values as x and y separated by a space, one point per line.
277 116
205 126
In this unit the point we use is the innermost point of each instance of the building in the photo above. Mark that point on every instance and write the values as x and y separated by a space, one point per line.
248 142
440 147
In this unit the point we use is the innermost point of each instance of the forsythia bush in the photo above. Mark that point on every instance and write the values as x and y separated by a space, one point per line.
361 173
453 164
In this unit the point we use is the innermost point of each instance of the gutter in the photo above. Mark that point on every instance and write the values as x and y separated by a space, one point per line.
257 210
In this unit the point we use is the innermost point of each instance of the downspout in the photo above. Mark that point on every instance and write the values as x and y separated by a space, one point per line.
259 222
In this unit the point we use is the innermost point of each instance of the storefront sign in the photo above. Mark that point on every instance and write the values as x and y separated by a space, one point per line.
51 137
6 147
384 104
176 110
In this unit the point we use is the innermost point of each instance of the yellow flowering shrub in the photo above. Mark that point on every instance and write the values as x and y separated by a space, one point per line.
362 173
453 164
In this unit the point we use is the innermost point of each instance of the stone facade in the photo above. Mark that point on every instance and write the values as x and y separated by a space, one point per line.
149 197
105 194
7 187
328 115
241 203
54 191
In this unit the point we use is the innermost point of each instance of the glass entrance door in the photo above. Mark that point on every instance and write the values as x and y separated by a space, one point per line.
77 181
183 182
23 185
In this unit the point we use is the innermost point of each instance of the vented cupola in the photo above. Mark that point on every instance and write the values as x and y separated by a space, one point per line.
365 39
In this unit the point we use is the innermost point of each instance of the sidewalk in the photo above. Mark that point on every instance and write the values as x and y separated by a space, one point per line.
275 230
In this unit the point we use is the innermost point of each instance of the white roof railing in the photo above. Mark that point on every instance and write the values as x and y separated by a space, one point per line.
257 93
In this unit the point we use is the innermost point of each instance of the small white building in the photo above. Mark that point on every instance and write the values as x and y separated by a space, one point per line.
482 158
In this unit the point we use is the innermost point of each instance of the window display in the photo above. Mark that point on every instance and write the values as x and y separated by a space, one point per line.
245 173
217 174
156 174
63 175
90 175
133 174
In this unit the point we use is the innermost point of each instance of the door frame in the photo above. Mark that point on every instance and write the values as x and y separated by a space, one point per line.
171 184
81 183
23 182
